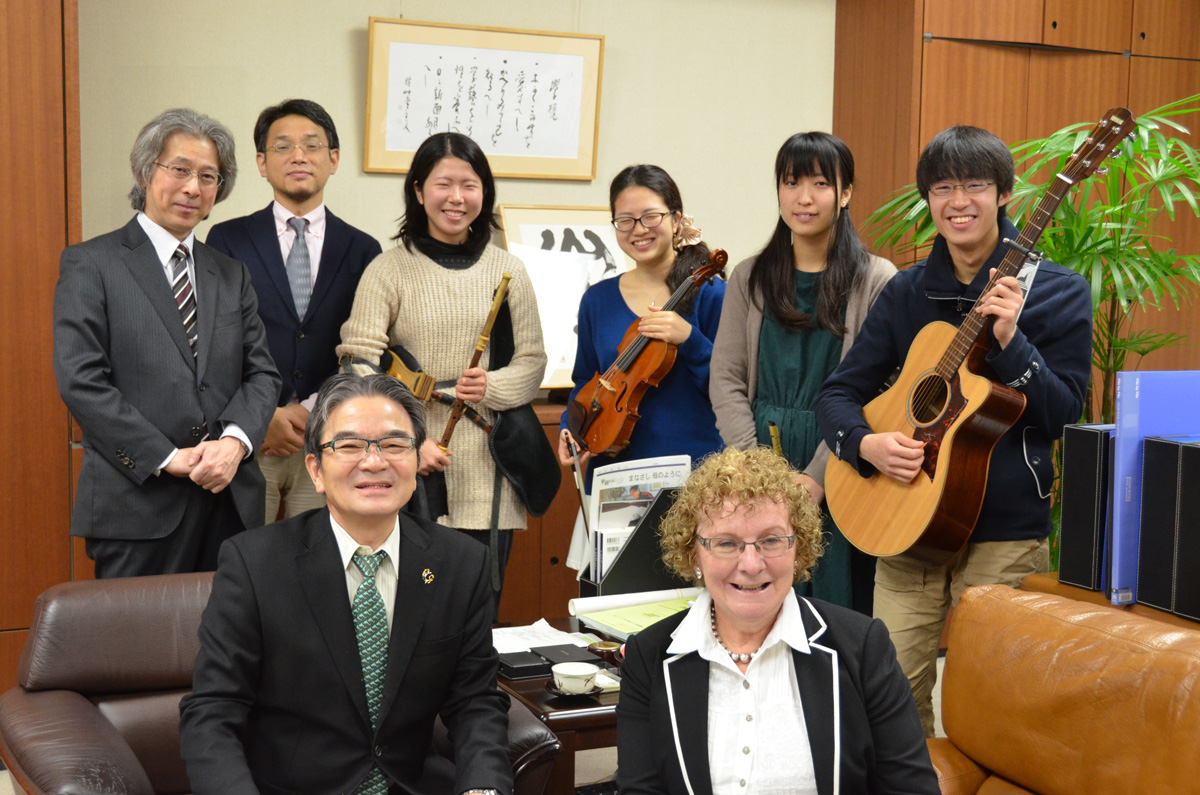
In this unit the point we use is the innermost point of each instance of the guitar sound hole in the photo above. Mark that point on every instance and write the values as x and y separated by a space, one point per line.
929 400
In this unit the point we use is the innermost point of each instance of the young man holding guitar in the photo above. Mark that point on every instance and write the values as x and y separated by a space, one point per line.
1039 345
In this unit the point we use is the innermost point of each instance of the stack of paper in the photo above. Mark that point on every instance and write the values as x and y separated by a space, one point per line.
626 614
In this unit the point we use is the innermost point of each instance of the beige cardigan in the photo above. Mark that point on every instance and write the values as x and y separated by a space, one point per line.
733 377
437 313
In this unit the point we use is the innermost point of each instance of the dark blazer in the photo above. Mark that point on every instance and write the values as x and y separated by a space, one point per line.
278 703
127 374
303 349
850 679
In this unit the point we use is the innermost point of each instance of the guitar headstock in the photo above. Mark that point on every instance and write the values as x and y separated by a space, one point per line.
716 264
1100 143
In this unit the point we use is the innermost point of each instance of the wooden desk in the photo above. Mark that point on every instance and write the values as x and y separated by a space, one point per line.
1048 583
580 723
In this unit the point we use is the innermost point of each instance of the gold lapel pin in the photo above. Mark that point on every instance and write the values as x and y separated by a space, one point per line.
427 576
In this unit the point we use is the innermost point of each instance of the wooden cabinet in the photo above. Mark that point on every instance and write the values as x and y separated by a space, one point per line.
1087 24
998 20
1166 29
1102 25
537 583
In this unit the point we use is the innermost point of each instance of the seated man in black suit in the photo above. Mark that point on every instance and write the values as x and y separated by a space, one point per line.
305 282
333 639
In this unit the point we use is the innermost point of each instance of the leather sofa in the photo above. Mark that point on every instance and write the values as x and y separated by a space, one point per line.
96 709
1049 695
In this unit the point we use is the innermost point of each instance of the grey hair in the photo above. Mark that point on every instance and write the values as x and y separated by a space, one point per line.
339 388
153 137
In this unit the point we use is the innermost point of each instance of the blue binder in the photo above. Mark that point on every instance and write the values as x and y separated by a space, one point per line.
1153 403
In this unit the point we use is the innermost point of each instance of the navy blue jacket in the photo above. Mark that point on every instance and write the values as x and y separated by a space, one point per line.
303 349
1049 359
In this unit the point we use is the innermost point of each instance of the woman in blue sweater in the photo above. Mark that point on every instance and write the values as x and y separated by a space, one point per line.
677 417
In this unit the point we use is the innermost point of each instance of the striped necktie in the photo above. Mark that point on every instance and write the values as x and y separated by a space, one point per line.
185 298
299 269
371 631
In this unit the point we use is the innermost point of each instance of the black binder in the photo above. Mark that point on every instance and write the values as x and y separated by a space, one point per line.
1165 528
1086 532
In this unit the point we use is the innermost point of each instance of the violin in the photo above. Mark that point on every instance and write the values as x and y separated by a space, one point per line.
604 412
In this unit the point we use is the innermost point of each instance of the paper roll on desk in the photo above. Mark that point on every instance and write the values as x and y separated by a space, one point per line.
591 604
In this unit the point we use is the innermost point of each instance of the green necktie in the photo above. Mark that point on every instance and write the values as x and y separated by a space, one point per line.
370 628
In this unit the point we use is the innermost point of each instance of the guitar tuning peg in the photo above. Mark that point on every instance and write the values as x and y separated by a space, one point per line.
1131 135
1102 170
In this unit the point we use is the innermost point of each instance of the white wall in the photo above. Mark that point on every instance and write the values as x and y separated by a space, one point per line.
707 89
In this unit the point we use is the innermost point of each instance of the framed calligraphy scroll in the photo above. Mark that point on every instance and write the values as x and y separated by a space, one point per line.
530 99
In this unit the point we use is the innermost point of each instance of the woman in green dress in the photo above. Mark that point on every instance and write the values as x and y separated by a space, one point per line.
791 312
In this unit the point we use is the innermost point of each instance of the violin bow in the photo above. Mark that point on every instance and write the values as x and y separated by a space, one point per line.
583 505
456 409
578 469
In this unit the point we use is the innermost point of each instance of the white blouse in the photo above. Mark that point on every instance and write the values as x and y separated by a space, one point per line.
757 738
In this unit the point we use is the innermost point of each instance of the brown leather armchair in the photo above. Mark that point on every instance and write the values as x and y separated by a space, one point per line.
1043 694
96 709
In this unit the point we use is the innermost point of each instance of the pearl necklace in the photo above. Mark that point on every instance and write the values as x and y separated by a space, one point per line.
744 657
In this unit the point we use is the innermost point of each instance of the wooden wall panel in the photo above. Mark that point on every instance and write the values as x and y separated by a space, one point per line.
82 567
1071 87
522 579
11 644
951 74
33 421
989 20
1093 25
1166 28
558 582
538 583
1154 82
876 96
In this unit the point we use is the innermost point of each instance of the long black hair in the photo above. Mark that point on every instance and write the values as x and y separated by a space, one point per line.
414 224
772 280
688 258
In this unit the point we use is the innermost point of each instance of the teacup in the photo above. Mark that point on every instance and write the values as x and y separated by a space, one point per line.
575 677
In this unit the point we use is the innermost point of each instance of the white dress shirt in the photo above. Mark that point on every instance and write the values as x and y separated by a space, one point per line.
757 737
385 577
165 244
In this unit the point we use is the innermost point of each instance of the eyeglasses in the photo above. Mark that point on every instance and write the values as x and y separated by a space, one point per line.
390 447
207 179
946 189
648 221
767 546
285 147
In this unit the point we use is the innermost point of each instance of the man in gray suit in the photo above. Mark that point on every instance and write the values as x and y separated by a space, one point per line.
161 358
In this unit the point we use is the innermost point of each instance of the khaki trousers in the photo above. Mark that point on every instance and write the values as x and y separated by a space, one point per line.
288 484
912 600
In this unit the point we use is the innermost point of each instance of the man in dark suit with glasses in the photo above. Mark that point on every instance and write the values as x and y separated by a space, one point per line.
305 264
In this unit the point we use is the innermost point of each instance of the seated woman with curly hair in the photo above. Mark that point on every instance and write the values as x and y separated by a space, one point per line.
754 688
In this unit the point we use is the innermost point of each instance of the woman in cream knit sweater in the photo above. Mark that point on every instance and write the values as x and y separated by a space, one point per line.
431 295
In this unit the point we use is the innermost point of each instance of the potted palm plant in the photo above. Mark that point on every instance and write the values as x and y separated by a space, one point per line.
1109 229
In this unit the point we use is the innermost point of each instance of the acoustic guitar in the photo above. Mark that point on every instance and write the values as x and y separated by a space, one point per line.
944 398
